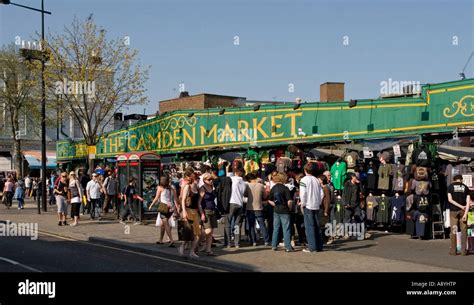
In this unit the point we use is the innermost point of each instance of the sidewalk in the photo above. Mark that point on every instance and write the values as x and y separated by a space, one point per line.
382 253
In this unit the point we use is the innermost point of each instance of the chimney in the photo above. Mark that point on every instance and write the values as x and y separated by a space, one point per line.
331 92
118 118
183 94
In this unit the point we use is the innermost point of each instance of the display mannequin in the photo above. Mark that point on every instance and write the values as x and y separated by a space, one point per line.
385 171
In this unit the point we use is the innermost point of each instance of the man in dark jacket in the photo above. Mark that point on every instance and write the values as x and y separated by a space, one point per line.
223 186
351 201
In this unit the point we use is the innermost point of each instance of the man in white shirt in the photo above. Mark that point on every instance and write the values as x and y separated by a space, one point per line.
239 190
93 196
28 186
311 195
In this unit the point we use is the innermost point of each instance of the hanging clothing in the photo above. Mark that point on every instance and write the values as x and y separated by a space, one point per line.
397 208
409 202
422 157
371 203
421 203
338 174
385 171
372 177
398 181
383 211
283 164
420 223
251 166
421 188
351 159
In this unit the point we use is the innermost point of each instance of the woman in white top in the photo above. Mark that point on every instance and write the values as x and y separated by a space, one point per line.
165 194
75 193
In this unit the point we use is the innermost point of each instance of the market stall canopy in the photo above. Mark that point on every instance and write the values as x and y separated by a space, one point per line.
34 159
323 152
380 144
455 153
231 156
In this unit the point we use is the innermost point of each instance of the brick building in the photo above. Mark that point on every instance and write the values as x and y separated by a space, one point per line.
200 101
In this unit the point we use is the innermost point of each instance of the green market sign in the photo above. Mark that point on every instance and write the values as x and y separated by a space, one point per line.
440 108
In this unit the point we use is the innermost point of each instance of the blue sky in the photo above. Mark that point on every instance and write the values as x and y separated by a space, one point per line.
280 42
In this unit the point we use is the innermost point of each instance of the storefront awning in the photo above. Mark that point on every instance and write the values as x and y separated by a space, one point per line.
462 153
5 163
33 157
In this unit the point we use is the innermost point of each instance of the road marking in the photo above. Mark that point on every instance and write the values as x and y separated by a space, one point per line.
19 264
134 252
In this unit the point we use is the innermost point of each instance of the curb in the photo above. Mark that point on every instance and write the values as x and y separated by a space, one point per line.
202 261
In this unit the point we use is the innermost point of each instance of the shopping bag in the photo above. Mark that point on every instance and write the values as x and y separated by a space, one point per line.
159 222
447 218
458 242
470 244
470 218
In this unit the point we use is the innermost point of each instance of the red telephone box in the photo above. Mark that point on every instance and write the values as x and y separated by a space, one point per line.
145 168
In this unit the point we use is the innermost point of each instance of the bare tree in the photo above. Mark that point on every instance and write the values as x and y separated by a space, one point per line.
18 89
94 76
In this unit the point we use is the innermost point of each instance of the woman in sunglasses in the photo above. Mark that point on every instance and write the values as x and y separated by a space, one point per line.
207 202
192 211
60 191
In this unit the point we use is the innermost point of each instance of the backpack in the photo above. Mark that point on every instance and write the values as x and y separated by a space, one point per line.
421 173
422 188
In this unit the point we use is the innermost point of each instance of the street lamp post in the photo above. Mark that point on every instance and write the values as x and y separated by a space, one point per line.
43 102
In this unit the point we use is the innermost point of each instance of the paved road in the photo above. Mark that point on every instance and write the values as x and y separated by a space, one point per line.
51 254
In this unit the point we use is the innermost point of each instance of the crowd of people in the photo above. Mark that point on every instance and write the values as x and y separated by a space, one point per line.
282 211
18 189
275 210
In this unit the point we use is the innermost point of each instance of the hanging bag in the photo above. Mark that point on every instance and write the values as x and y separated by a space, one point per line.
159 221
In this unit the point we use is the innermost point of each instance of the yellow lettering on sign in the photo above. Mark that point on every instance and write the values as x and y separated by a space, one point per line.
132 136
243 127
152 141
212 131
167 136
176 138
186 135
104 143
141 142
113 145
258 128
227 133
293 121
274 124
120 143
